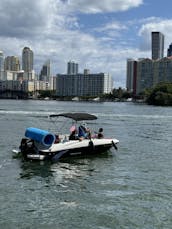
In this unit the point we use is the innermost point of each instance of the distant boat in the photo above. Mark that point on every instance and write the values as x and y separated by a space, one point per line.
75 99
42 145
46 98
129 100
96 99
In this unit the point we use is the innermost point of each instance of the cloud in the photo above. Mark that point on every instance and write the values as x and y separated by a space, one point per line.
54 30
97 6
155 24
112 26
23 18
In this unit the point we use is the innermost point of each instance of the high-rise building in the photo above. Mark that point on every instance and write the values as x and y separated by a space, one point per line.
169 50
146 73
27 59
45 72
157 45
11 63
1 61
131 74
72 68
83 85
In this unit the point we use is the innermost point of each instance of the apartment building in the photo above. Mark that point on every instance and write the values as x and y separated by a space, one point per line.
83 84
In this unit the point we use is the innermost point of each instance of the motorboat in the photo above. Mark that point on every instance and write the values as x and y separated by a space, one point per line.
39 144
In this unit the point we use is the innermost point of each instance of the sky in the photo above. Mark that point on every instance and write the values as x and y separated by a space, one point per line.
99 35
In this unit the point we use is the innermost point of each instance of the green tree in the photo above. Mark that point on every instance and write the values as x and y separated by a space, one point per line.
160 95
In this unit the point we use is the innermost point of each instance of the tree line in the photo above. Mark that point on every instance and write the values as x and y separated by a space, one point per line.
160 95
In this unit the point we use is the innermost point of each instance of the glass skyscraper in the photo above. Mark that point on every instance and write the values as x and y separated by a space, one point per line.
169 50
157 45
1 61
45 72
72 68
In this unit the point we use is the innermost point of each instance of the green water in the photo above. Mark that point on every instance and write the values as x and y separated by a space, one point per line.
128 188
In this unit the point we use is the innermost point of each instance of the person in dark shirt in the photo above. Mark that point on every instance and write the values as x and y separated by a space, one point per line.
73 135
100 133
84 132
57 139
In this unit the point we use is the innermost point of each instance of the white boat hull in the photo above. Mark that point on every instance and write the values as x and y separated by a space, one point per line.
70 148
42 145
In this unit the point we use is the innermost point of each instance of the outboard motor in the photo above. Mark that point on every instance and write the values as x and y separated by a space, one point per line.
26 146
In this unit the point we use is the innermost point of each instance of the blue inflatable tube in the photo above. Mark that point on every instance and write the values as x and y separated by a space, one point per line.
42 136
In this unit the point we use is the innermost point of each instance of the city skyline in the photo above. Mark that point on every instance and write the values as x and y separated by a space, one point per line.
99 35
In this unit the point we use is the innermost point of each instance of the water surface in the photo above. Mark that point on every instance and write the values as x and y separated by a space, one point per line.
128 188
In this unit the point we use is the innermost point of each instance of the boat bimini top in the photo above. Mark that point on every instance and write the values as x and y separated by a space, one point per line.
76 116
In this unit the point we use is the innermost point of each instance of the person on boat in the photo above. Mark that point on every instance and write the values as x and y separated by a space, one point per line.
81 131
84 132
100 133
57 139
88 133
73 135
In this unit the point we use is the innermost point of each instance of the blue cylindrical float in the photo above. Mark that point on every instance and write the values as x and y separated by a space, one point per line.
42 136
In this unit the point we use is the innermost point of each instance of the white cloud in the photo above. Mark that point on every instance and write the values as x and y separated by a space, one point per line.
156 24
112 26
97 6
53 30
23 18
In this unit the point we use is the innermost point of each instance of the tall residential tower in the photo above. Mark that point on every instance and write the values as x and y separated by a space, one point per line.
45 72
157 45
72 68
1 61
27 59
169 50
11 63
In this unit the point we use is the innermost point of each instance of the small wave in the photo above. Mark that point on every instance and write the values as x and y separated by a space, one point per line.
35 113
134 116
